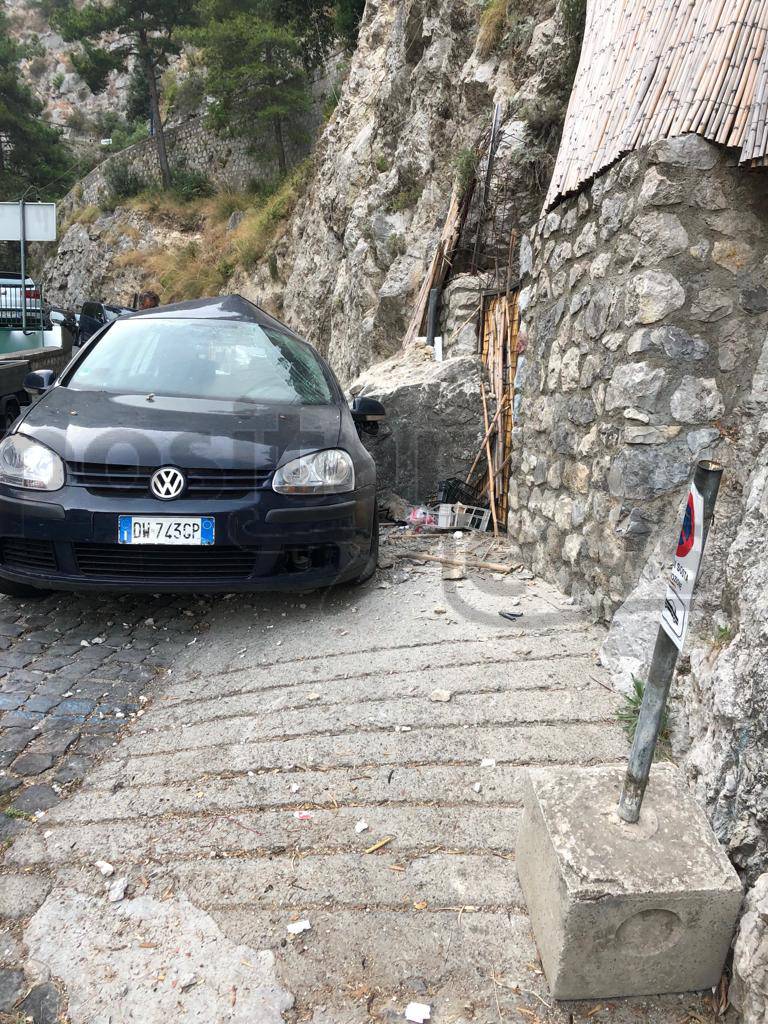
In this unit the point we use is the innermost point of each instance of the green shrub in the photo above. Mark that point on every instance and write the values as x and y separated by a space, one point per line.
188 184
381 164
629 713
37 66
183 99
406 197
122 181
465 166
330 104
260 225
493 24
58 80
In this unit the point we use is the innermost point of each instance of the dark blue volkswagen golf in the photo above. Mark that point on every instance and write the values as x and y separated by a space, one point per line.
202 446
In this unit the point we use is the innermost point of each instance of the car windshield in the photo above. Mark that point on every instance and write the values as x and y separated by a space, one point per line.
230 360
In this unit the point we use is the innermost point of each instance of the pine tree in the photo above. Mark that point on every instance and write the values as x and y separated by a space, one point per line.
348 15
256 76
32 152
113 36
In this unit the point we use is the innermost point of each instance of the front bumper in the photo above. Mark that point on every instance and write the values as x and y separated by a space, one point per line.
266 541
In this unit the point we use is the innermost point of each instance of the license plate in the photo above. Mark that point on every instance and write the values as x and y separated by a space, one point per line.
189 530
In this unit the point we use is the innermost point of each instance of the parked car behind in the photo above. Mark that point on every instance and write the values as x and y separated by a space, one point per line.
94 315
202 446
16 295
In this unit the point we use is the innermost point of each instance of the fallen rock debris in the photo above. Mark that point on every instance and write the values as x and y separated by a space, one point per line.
104 867
441 696
116 891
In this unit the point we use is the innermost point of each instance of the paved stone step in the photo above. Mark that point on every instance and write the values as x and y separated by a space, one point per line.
413 828
345 881
581 743
555 674
471 709
378 659
396 952
428 784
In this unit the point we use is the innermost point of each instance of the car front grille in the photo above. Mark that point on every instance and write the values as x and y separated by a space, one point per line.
160 562
133 481
28 555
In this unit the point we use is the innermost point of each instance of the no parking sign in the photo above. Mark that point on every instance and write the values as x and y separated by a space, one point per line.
690 546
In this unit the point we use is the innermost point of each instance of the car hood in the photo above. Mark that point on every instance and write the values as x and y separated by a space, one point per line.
89 426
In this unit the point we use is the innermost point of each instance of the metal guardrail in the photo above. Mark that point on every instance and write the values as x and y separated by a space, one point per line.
21 307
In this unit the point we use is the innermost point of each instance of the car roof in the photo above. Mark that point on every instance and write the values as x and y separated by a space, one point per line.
222 307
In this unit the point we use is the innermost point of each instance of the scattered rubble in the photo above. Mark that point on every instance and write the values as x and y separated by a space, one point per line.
441 696
116 891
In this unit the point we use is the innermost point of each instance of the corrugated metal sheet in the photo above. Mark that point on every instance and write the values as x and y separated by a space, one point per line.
655 69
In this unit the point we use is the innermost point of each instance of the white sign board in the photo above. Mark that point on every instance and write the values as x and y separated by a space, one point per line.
677 602
39 222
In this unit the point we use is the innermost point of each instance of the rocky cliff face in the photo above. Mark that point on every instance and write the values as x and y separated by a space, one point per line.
52 76
417 96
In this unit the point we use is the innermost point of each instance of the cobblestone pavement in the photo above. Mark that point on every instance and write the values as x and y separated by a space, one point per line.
294 766
73 671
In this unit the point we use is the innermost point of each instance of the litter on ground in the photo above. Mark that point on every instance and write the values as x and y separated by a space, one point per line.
417 1012
297 927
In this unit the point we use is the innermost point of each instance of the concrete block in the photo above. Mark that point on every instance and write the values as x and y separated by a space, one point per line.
617 909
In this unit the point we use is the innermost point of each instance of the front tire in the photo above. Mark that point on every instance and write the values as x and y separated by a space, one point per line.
369 569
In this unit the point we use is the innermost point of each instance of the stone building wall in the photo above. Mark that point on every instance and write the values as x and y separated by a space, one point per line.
646 303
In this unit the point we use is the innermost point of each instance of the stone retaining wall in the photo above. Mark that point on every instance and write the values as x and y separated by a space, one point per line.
646 303
227 161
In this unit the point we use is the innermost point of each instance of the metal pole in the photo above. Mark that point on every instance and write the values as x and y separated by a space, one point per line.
432 308
23 238
707 481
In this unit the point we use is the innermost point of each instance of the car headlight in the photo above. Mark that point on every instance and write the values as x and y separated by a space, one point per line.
25 463
328 472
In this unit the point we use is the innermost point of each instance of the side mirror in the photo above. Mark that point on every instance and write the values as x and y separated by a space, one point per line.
39 381
367 410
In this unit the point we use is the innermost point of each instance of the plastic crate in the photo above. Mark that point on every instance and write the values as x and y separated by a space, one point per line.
462 517
452 490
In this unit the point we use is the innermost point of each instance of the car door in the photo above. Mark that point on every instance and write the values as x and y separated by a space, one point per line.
91 319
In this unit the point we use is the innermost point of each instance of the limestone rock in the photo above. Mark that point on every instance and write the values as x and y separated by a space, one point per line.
650 434
659 190
641 474
654 295
710 305
697 400
626 651
661 234
434 421
635 384
733 254
749 989
586 241
690 151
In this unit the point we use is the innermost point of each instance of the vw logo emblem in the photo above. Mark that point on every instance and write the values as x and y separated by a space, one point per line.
167 483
